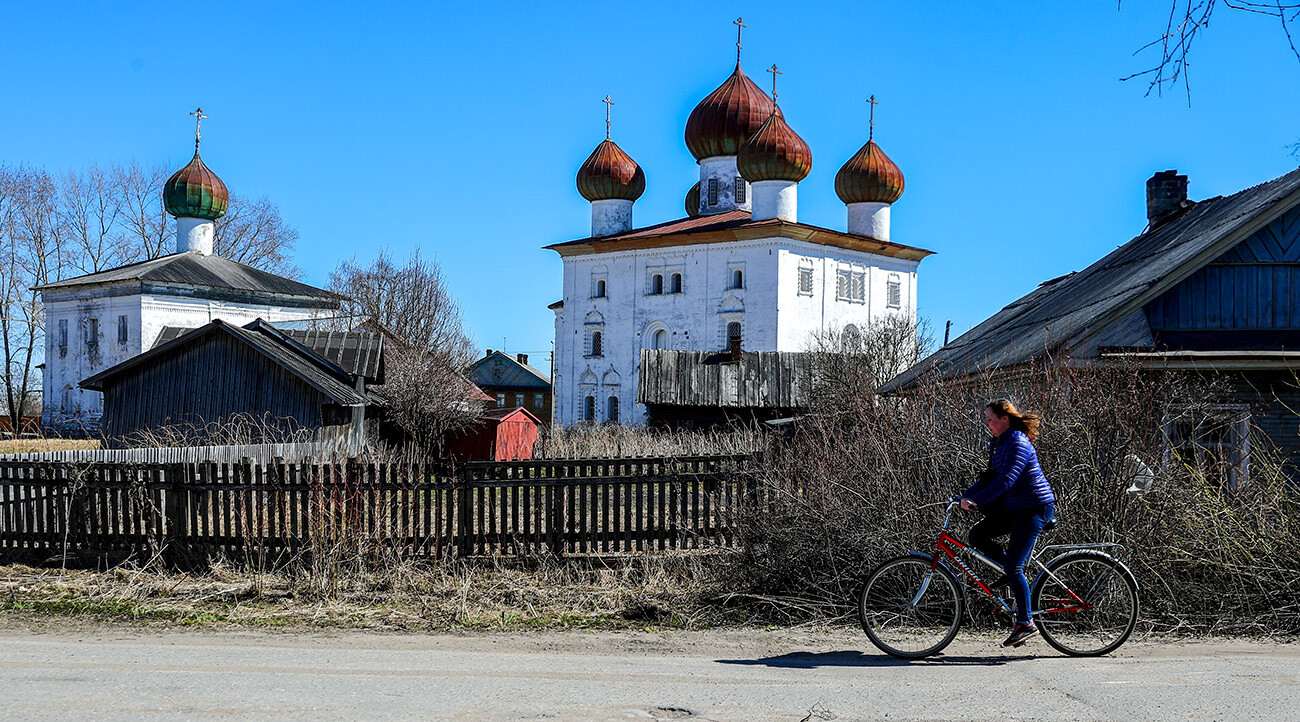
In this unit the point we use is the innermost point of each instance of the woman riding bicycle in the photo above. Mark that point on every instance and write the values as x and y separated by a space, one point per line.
1016 499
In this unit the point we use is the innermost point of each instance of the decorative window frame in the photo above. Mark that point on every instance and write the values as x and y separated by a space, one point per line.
851 283
808 272
894 291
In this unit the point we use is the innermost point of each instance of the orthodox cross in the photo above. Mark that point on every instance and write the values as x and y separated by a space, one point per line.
740 25
608 101
774 73
198 125
872 132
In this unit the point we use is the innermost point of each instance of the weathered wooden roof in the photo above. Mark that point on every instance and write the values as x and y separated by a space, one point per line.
357 353
513 373
760 379
1065 312
203 271
732 226
317 372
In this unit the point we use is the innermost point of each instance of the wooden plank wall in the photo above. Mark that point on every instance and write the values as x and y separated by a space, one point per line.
760 379
269 513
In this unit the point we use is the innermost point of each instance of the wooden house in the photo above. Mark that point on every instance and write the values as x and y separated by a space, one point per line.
289 383
1210 286
511 382
499 434
693 389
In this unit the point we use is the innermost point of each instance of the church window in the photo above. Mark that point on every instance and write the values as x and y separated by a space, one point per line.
92 333
805 281
852 338
539 401
661 339
733 334
121 330
63 337
598 291
519 400
677 283
894 294
596 345
589 408
850 285
612 414
656 284
737 278
740 190
501 400
713 191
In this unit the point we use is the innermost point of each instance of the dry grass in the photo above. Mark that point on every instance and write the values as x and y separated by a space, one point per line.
23 446
660 592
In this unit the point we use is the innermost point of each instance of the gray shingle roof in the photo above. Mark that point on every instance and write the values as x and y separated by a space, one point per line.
195 269
1069 309
358 353
513 374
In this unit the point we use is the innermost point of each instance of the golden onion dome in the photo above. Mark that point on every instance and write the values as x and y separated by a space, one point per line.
727 117
693 200
610 174
774 152
869 177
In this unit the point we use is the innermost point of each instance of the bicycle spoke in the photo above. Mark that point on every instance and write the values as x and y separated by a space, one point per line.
909 609
1104 619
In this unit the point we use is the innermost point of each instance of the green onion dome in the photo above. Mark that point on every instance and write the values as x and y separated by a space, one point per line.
693 200
196 192
610 174
869 177
727 117
774 152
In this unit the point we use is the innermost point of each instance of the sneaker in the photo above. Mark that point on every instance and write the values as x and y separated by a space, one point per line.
1021 634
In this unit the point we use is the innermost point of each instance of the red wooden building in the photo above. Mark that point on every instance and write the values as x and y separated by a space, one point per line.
504 434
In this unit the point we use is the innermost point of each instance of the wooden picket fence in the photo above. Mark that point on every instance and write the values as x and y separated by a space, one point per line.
269 513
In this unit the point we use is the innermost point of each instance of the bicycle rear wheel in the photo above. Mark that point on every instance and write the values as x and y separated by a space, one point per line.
1088 604
910 609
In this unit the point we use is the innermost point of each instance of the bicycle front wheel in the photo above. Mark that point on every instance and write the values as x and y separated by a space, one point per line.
1085 604
909 608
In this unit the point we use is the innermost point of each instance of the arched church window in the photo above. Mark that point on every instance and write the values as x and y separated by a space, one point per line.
611 414
600 289
656 284
740 190
713 191
596 345
661 339
733 334
737 278
677 283
589 408
852 338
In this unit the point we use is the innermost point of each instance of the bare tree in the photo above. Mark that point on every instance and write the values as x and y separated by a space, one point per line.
848 365
253 233
90 205
1188 19
143 218
424 382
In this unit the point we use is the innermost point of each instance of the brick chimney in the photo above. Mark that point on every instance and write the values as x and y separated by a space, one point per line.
1166 193
523 358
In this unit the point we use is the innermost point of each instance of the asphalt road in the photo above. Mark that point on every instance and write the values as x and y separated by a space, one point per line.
114 675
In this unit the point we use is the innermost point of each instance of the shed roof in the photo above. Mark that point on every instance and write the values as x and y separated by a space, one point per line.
202 271
317 372
732 226
1066 311
357 353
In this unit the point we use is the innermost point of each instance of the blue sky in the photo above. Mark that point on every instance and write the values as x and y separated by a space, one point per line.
457 128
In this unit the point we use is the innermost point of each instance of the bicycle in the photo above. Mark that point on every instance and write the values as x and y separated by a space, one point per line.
1084 600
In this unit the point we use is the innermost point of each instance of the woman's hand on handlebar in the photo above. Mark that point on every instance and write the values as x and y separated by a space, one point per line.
967 504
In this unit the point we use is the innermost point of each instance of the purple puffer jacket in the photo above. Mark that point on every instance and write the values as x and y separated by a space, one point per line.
1018 482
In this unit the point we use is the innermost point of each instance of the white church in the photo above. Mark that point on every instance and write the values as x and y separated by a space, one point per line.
738 270
98 320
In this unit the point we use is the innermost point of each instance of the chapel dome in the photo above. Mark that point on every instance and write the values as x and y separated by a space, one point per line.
610 174
869 177
693 200
774 152
727 117
195 192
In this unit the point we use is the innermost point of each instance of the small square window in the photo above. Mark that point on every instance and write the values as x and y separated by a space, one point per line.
713 191
519 400
501 400
539 401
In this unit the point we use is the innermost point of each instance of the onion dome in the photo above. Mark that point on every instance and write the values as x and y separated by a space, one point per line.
775 152
610 174
727 117
196 192
693 200
869 177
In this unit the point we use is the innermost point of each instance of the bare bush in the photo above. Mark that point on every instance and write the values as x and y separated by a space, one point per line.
607 441
234 430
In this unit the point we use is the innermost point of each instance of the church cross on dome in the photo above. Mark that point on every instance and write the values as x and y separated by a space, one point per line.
198 126
740 26
774 73
609 102
871 133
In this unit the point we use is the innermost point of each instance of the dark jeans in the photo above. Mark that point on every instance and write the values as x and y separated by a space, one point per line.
1024 526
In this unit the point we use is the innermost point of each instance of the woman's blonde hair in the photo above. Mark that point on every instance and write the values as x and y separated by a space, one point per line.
1021 421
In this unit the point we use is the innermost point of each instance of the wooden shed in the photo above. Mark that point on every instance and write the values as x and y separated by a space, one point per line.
694 389
504 434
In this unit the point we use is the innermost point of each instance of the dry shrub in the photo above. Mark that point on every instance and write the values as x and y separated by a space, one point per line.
866 482
612 441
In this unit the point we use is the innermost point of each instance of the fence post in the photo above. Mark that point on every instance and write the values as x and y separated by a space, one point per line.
464 511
